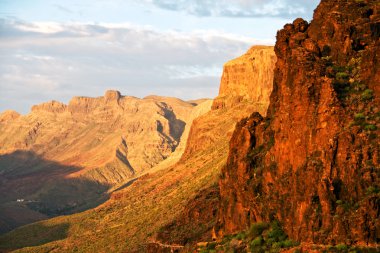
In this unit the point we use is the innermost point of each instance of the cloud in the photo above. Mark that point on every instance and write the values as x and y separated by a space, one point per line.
240 8
42 61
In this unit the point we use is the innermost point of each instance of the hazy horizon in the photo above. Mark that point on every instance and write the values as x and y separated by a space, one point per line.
54 50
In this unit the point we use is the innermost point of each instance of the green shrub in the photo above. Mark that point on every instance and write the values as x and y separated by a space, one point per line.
367 94
342 76
258 241
240 236
372 190
258 228
211 245
276 232
288 243
370 127
277 245
341 247
359 116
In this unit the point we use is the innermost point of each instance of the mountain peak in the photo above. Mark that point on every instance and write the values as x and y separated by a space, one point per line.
112 95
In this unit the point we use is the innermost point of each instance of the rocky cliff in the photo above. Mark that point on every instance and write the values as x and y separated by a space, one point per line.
248 79
313 163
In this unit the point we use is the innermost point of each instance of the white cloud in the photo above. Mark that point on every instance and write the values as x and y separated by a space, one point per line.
240 8
43 60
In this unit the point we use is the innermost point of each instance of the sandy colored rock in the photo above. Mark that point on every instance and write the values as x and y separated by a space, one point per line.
65 157
8 115
248 79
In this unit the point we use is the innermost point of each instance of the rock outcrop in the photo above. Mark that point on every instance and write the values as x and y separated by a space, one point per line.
248 79
313 163
52 107
8 116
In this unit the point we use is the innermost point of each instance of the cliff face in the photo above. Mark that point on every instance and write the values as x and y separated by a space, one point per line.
248 79
313 162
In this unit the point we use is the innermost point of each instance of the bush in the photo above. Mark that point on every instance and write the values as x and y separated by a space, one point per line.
258 241
342 76
371 190
258 228
370 127
367 94
276 232
277 245
288 243
240 236
270 241
359 116
341 247
211 245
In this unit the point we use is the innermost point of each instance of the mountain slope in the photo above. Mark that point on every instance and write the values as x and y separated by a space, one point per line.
313 163
140 213
62 159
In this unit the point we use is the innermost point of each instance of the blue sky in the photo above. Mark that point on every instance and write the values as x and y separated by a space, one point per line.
56 49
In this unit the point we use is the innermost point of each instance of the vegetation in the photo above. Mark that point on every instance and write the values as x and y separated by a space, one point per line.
367 95
352 92
261 237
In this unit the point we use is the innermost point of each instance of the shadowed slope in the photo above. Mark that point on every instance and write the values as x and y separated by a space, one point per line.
34 188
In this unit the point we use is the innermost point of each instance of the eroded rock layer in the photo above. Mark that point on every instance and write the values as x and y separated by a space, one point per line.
313 162
248 79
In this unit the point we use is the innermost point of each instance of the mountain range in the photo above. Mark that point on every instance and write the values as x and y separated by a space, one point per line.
285 159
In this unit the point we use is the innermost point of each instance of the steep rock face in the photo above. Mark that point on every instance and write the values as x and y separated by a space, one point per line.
313 163
248 79
63 158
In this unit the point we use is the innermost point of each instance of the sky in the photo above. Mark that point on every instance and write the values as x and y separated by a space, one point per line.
57 49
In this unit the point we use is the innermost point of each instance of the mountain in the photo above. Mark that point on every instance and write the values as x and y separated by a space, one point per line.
142 215
61 159
298 172
312 164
